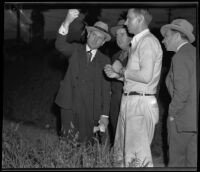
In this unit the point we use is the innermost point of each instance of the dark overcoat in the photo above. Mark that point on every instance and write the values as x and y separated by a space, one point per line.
181 82
73 93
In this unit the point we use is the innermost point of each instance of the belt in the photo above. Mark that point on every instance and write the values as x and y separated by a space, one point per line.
136 93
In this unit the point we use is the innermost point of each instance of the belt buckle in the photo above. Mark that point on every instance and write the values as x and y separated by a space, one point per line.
141 93
126 94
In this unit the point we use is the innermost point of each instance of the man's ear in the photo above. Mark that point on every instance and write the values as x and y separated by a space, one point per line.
178 35
140 18
103 43
88 34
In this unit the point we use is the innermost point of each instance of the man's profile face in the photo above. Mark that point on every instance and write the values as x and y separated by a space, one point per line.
169 40
95 39
132 22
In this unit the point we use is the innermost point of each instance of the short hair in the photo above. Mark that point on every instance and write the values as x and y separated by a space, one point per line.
145 12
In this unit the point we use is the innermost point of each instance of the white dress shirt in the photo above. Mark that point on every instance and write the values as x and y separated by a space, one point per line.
93 52
137 56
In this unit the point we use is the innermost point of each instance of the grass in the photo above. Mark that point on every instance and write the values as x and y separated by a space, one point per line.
46 151
20 152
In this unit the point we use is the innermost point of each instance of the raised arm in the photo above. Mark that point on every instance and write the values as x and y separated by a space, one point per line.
61 43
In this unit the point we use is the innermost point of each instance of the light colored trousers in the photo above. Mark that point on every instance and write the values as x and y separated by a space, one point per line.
135 130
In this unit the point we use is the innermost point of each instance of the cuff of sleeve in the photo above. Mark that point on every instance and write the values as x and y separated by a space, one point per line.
62 30
105 116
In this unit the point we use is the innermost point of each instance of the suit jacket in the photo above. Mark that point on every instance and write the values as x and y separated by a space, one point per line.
70 88
181 83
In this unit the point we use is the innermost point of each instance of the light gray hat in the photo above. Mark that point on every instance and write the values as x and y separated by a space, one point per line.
182 26
101 27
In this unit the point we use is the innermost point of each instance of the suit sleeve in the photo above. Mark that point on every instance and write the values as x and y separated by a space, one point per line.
63 46
181 81
106 93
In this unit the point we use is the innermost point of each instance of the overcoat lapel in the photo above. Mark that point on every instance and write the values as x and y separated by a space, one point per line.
78 64
84 92
97 61
97 86
82 58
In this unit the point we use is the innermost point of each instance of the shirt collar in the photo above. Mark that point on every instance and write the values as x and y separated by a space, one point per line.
92 51
181 45
137 37
88 49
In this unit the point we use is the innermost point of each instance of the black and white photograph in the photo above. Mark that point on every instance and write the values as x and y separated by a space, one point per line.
100 86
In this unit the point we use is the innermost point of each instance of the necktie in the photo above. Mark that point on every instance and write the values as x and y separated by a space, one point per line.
89 55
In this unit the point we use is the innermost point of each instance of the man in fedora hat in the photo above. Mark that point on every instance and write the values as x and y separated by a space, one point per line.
84 94
139 111
182 85
123 42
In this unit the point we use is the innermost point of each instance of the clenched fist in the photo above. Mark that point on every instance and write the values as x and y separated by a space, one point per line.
103 123
71 15
110 72
117 66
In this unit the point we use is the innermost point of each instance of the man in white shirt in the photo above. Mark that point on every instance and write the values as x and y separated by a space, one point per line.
139 109
84 94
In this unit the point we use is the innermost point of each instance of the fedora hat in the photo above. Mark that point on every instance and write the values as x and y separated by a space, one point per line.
182 26
119 25
101 27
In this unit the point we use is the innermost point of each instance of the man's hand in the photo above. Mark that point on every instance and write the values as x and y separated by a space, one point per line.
109 71
117 66
71 15
103 121
171 118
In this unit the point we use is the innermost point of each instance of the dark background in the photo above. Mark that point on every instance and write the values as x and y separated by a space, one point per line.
33 68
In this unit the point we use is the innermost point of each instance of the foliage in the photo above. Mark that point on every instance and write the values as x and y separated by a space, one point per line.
20 152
